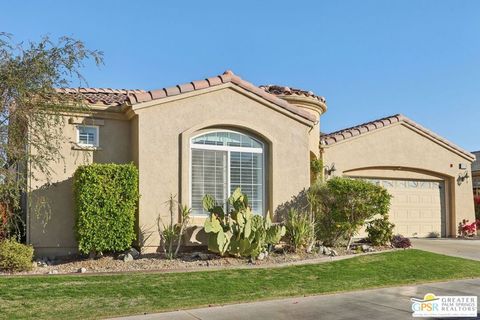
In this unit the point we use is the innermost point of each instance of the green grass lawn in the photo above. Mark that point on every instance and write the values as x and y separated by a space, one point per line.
82 297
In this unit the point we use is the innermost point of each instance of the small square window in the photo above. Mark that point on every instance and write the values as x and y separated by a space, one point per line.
87 136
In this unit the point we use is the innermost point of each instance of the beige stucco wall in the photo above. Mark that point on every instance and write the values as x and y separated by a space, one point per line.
156 136
50 227
401 151
165 129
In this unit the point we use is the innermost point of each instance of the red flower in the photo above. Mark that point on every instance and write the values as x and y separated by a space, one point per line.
470 228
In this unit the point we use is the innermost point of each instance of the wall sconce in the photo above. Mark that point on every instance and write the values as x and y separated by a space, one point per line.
462 177
329 170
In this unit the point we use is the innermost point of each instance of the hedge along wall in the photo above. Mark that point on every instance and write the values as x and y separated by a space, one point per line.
106 199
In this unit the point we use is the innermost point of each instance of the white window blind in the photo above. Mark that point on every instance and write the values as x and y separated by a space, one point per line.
223 161
87 135
246 172
209 176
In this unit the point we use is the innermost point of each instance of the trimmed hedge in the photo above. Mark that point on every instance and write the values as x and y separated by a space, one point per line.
14 256
106 198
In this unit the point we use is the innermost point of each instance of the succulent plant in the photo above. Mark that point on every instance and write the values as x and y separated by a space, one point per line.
240 232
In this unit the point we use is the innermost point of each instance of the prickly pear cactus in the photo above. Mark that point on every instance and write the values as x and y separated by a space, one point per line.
240 232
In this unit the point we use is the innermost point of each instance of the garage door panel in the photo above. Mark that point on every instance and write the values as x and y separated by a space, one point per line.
417 207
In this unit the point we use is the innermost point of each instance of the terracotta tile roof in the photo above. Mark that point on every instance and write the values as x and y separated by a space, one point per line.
347 133
132 97
288 91
226 77
106 96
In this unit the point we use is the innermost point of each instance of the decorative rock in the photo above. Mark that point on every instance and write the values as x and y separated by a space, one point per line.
325 250
53 272
82 270
261 256
41 263
333 253
128 257
200 255
204 256
121 256
367 248
133 252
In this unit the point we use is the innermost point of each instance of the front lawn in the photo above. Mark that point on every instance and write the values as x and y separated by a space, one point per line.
83 297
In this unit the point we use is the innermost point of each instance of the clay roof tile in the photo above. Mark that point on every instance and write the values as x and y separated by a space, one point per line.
344 134
120 97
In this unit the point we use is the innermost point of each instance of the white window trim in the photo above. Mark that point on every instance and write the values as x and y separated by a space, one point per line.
228 149
97 136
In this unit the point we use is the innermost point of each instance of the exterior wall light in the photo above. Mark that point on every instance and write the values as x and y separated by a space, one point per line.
330 170
462 177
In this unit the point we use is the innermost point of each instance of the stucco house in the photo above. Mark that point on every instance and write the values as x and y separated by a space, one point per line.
213 135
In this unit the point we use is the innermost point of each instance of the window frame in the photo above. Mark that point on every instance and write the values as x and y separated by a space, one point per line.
228 150
96 143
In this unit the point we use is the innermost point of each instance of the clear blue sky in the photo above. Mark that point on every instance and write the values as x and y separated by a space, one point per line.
368 58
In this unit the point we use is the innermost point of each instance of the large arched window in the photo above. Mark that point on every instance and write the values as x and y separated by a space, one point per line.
222 161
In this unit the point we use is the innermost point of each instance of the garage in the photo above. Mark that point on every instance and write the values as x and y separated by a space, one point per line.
428 176
417 207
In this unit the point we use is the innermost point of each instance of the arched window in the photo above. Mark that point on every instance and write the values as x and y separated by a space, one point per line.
222 161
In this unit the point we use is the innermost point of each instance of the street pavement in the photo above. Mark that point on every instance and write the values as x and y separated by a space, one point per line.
386 303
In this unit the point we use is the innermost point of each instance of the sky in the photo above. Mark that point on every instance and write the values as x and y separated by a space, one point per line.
370 59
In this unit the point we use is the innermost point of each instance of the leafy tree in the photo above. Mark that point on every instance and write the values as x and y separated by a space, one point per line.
343 205
30 114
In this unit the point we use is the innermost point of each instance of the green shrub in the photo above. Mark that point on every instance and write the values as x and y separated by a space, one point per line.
380 231
239 232
342 205
300 230
15 256
106 198
316 167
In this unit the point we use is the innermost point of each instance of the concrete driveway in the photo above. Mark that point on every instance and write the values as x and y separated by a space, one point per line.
387 303
468 249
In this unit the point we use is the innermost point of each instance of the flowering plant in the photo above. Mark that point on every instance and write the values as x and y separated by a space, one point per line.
465 228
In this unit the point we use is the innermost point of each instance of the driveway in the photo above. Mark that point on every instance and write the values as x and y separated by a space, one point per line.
387 303
468 249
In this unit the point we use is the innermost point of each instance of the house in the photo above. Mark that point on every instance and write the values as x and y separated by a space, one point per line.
214 135
476 174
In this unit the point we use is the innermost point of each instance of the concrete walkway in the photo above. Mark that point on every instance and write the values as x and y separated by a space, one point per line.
388 303
468 249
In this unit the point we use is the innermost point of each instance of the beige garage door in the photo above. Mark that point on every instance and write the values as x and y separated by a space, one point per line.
417 207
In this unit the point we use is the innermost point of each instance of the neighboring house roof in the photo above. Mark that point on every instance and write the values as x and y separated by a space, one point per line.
107 96
287 91
347 133
476 163
133 97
